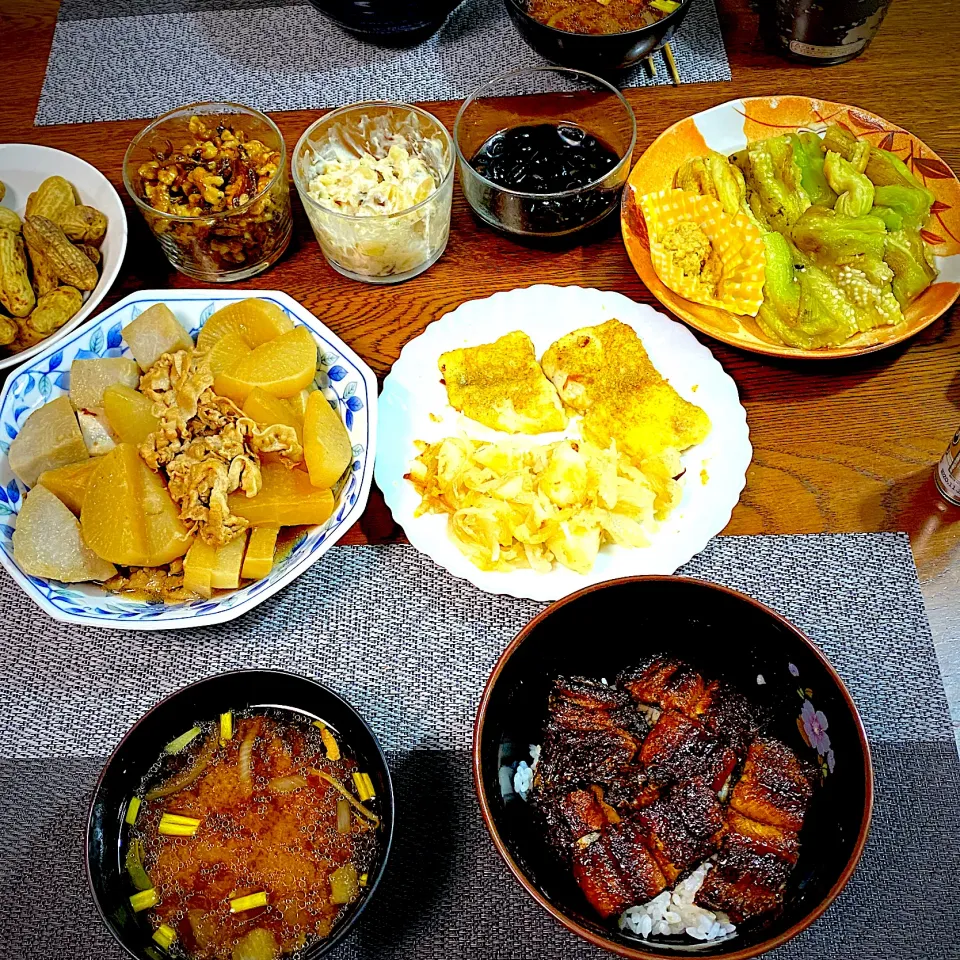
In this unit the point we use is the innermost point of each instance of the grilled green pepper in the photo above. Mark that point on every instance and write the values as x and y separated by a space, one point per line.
713 176
886 169
855 152
809 155
833 239
775 191
912 264
891 219
802 307
911 203
816 303
840 140
855 191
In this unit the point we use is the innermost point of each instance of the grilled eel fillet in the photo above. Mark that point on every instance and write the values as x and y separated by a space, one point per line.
604 373
672 685
683 827
592 736
666 683
666 783
752 869
774 787
621 862
586 814
761 846
617 870
680 749
501 385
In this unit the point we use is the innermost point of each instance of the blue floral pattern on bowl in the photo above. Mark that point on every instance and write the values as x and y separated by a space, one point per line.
345 380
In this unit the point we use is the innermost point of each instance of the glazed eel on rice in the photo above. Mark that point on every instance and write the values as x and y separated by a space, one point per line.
672 808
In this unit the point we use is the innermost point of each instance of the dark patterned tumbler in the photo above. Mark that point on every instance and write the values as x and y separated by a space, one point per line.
824 32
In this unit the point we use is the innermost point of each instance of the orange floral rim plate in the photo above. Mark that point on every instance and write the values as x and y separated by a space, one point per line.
730 127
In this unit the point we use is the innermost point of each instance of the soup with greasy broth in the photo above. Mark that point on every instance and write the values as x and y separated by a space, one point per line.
594 16
252 838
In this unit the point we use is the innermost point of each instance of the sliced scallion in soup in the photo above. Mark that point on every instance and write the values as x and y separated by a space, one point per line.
252 839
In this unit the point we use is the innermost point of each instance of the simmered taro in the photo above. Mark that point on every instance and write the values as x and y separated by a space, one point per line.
667 800
251 838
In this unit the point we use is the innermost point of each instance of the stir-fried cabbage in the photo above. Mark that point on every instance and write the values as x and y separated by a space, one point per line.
510 505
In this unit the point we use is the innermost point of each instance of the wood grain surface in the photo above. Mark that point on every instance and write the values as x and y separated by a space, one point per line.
839 446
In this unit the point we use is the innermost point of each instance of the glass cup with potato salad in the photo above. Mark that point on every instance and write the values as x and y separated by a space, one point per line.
376 181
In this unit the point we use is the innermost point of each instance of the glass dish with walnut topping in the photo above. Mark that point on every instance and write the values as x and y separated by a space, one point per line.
210 180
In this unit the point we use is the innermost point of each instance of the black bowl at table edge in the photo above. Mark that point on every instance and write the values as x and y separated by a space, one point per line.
600 53
400 23
480 777
266 689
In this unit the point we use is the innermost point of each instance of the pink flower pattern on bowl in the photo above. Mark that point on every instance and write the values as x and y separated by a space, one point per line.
812 724
815 727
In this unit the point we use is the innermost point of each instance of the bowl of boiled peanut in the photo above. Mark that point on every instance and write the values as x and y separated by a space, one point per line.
63 234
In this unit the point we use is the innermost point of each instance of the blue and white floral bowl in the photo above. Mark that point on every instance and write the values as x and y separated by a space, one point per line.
347 382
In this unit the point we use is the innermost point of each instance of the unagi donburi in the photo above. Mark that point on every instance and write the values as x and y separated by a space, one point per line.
662 793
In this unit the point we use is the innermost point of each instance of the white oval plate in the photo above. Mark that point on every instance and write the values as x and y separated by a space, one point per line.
413 391
347 382
23 166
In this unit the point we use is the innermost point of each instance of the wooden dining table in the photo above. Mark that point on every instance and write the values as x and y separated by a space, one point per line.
839 446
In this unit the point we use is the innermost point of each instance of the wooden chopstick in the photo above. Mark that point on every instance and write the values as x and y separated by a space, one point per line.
652 65
672 64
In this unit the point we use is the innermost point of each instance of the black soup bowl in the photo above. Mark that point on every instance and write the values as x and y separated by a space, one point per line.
602 53
391 23
723 635
139 750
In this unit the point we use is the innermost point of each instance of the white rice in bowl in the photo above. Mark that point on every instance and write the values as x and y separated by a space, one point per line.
523 775
673 913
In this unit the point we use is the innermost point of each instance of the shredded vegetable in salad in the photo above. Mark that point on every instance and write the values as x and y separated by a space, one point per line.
369 178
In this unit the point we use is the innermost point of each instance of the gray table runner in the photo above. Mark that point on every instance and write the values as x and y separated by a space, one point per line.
411 647
285 55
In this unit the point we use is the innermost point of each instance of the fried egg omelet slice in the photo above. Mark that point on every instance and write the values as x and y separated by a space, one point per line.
604 373
501 385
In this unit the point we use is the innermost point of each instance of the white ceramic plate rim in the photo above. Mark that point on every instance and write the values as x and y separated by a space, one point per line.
412 391
117 225
222 613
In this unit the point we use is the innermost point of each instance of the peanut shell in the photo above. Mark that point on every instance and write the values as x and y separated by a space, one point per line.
16 293
51 199
83 224
9 219
72 266
54 309
45 277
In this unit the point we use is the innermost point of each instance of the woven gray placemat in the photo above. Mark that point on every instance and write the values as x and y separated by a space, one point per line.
285 55
411 647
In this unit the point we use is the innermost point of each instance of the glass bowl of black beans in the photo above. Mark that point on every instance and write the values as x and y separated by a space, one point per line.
551 164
